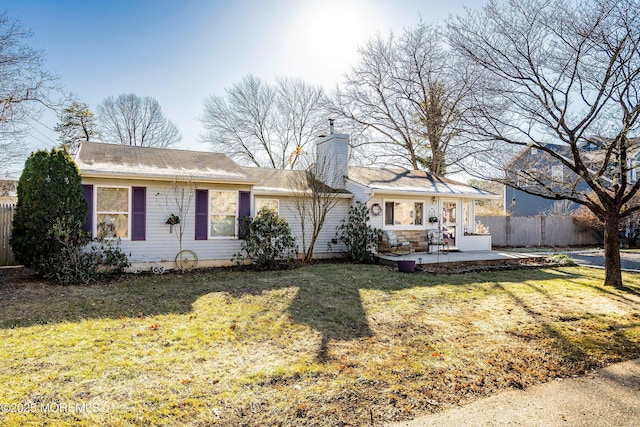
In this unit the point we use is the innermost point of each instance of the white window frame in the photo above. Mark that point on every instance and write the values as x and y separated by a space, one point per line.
413 226
261 201
96 213
633 169
557 173
211 213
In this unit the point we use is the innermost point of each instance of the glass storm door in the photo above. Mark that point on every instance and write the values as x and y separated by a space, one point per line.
449 222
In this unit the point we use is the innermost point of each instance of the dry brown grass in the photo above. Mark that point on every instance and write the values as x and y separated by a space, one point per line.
329 344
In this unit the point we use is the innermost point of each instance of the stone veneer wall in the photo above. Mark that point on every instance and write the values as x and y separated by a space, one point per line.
418 239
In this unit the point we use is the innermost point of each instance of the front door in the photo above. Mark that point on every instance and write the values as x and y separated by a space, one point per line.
449 222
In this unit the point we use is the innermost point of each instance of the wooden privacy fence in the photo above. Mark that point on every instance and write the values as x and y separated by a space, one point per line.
6 217
549 230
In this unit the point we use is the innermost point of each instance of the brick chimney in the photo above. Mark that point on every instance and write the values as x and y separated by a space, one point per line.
332 158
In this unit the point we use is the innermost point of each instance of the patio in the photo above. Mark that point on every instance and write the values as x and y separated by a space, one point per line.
445 257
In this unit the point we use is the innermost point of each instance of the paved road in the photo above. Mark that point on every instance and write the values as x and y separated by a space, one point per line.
629 260
608 397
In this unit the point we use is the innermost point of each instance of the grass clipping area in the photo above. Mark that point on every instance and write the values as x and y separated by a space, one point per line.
328 344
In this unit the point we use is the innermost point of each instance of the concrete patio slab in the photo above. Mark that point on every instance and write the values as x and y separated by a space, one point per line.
425 258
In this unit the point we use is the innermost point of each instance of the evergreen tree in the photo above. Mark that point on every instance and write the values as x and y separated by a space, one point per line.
77 123
49 192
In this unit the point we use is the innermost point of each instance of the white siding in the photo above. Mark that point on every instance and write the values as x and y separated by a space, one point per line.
475 243
332 159
328 232
361 193
376 221
161 245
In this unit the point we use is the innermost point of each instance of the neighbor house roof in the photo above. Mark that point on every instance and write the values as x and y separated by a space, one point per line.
282 181
124 161
8 187
410 182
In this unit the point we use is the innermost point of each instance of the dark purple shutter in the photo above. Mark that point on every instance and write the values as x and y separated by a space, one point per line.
245 204
202 214
87 192
139 213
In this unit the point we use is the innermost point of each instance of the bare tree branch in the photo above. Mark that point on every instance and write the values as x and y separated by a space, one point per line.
266 125
25 87
313 200
132 120
565 75
414 93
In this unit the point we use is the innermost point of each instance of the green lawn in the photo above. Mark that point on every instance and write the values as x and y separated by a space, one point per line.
328 344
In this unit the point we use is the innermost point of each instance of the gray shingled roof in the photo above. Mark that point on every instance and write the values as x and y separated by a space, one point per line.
412 182
276 181
110 160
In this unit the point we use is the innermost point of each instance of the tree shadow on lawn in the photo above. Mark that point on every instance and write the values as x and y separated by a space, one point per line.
577 350
327 298
333 310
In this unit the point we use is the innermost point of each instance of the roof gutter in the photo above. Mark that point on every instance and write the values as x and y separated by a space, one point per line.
152 177
375 192
289 193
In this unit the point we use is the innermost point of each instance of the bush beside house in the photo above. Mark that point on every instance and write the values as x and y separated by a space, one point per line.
47 233
360 238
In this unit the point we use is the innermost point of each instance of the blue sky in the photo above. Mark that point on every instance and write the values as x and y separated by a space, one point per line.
182 51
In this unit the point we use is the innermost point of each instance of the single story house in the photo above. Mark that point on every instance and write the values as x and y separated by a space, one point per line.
139 193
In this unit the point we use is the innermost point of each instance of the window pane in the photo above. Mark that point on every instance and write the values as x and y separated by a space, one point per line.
404 213
388 213
267 203
224 202
556 173
449 212
223 226
223 213
112 199
113 225
419 210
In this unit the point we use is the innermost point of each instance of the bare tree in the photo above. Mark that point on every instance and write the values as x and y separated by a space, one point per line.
265 125
566 73
179 195
413 92
133 120
313 200
77 123
25 87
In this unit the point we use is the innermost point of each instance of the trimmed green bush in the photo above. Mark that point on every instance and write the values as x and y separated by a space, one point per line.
268 242
355 232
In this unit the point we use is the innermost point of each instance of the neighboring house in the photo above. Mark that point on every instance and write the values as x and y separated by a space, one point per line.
128 190
521 203
8 191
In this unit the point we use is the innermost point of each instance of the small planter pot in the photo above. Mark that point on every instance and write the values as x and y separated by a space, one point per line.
407 266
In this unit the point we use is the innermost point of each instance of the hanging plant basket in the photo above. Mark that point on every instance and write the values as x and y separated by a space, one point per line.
173 220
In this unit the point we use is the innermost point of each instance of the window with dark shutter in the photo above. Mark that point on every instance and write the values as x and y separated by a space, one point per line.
245 204
202 214
87 192
139 213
